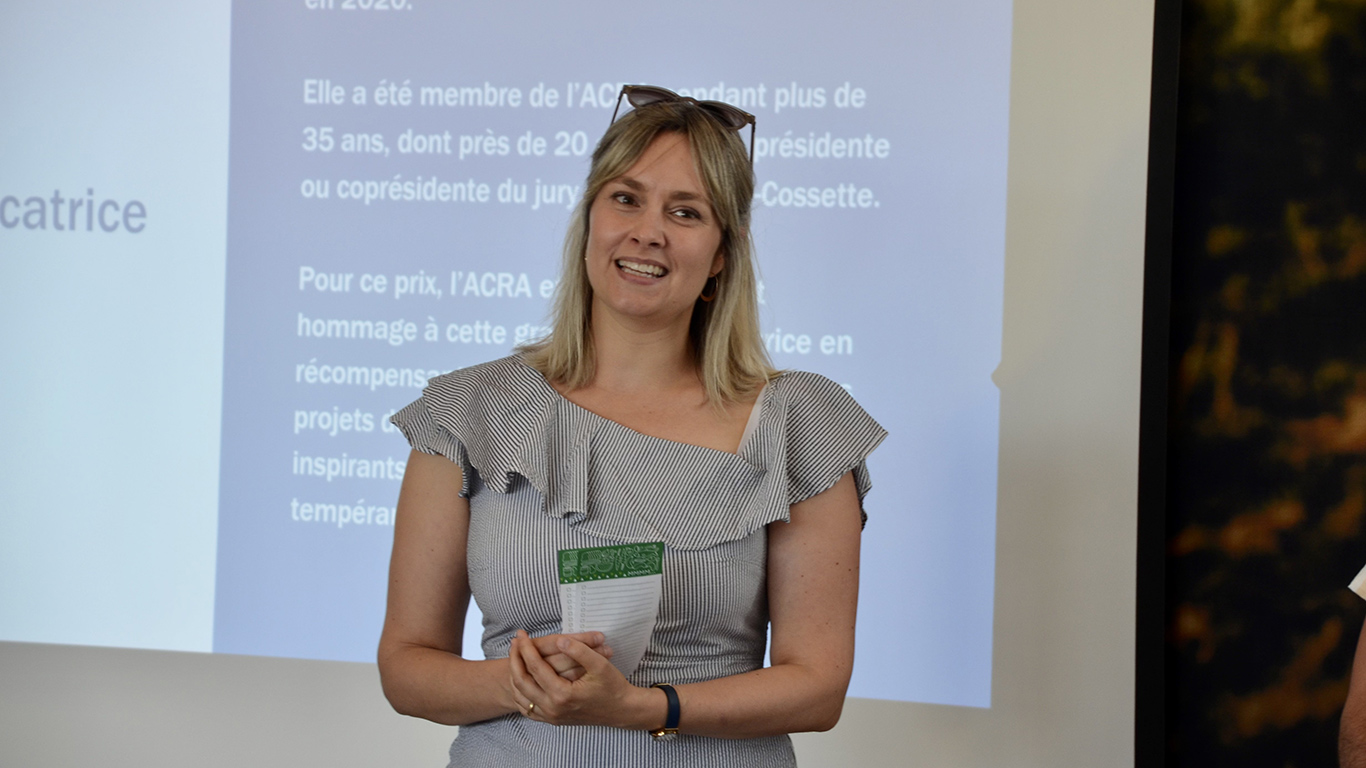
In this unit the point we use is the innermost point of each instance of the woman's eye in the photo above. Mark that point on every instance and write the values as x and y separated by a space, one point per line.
623 198
686 213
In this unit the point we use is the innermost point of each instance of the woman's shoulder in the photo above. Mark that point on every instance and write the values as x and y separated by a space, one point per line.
819 433
480 417
806 387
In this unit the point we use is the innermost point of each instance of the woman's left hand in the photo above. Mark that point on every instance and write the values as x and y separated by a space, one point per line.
601 696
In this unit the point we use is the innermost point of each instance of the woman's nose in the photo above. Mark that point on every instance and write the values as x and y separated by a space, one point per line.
649 229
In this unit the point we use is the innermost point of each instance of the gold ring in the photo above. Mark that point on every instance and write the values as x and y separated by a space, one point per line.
530 708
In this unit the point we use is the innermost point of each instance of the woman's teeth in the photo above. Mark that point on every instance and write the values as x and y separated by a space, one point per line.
644 270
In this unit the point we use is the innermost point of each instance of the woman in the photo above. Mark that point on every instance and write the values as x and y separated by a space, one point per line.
651 413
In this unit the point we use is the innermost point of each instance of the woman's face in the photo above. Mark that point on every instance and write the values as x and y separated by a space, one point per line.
653 239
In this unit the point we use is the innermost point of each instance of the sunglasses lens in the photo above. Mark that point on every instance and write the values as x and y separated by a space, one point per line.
645 95
730 115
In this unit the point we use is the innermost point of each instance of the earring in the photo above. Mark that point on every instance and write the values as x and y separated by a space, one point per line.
715 286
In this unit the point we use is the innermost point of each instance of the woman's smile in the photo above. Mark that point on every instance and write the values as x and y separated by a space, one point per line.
637 268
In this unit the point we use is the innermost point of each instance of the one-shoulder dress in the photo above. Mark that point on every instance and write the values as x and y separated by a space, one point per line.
543 474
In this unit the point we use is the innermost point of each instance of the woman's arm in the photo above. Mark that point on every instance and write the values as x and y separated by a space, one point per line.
813 595
1352 726
420 666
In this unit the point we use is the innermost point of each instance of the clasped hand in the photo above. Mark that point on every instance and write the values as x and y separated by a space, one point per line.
565 681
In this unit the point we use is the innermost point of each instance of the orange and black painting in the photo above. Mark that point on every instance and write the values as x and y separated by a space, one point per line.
1267 428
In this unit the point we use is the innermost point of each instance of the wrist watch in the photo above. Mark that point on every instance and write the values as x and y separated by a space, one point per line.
670 730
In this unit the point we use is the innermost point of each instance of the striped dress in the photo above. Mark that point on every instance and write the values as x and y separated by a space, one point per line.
543 474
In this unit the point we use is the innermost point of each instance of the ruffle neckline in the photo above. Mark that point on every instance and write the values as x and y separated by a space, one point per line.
609 481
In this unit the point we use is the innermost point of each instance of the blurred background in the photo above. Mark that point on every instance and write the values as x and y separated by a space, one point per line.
1267 430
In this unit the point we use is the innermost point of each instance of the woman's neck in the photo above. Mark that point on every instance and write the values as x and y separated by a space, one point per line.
634 359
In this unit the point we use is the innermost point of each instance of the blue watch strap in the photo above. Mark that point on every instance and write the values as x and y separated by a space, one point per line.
671 720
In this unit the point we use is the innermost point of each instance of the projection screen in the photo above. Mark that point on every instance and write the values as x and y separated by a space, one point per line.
237 236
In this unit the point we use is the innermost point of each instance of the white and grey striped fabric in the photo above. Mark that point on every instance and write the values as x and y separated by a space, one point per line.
543 474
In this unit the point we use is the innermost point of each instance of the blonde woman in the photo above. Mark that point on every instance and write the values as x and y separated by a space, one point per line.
650 414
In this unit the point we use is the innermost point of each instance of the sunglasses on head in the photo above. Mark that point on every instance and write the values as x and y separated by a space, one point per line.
730 116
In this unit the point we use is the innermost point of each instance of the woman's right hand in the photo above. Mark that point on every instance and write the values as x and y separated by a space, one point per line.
563 664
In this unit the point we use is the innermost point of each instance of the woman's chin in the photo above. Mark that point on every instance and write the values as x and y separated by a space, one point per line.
640 309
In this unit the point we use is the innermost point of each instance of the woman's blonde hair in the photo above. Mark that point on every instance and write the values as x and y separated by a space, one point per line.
729 352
